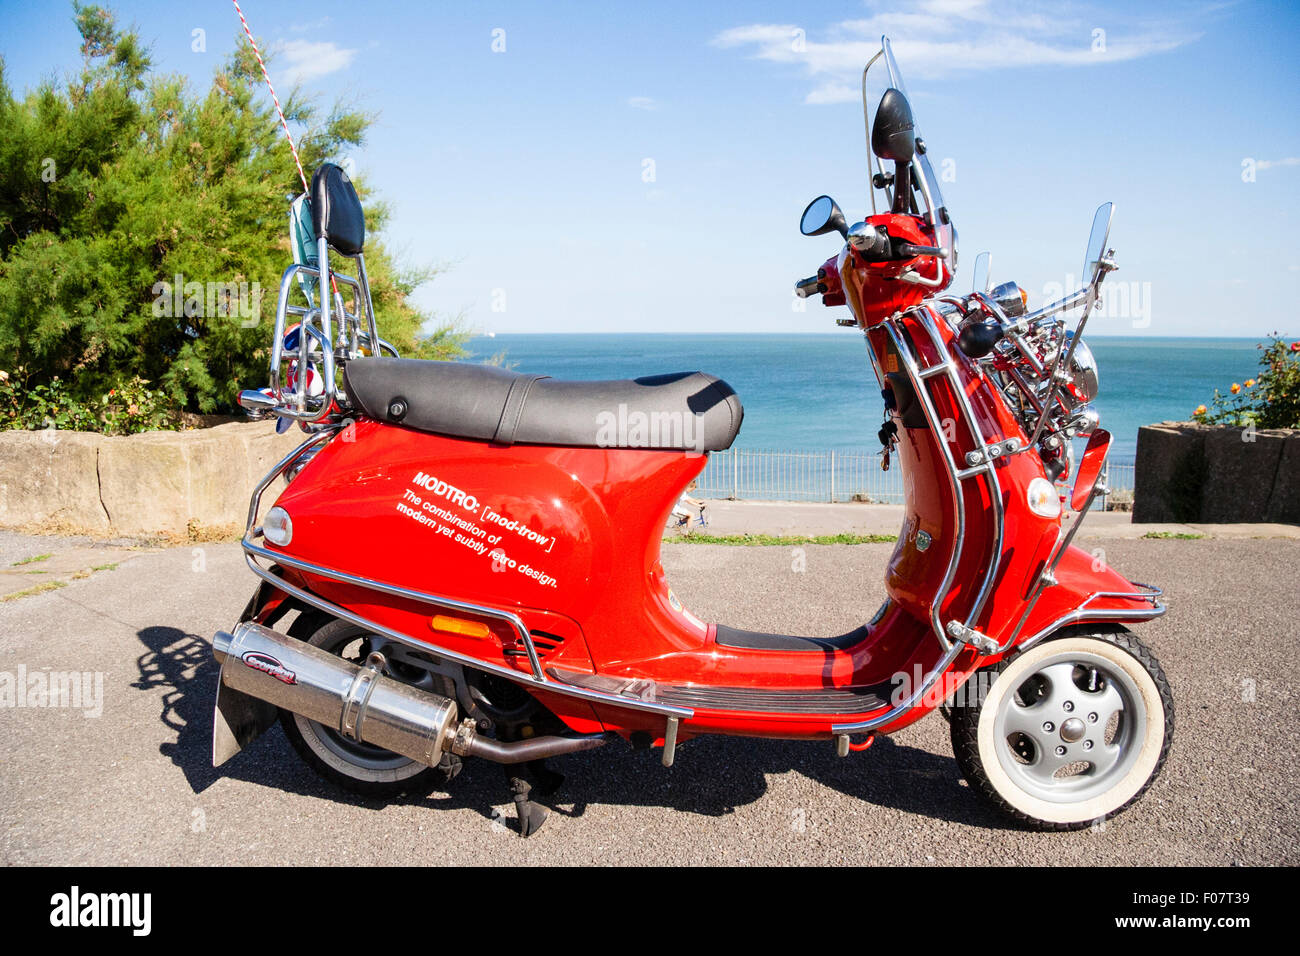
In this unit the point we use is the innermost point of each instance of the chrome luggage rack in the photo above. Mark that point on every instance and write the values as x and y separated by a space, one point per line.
318 345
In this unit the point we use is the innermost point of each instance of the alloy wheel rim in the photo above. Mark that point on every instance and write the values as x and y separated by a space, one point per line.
1071 729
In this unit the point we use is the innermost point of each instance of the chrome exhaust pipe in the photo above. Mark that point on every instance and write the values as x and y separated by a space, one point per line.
360 702
262 669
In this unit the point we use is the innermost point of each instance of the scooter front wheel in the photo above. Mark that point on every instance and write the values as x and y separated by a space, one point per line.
1069 733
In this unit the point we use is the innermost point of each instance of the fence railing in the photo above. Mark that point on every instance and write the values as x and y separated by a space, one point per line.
832 475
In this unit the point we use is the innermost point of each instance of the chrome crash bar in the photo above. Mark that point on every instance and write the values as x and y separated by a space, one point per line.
983 464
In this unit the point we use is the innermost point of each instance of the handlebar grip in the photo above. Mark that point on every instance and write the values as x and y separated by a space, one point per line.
908 250
813 285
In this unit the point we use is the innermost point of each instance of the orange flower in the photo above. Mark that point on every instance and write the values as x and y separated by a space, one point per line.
1200 409
1250 382
1235 388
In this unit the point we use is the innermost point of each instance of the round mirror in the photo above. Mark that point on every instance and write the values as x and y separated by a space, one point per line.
1097 242
823 215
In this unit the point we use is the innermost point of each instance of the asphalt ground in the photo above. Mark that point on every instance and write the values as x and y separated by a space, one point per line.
134 785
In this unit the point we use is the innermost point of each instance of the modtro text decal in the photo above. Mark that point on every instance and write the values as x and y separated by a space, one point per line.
476 526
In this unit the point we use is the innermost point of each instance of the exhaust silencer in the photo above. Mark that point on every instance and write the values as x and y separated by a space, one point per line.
262 670
360 702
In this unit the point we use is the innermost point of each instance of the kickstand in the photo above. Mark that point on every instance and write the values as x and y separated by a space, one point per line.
531 816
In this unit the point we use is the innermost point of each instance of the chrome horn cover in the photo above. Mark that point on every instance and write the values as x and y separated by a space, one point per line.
1083 372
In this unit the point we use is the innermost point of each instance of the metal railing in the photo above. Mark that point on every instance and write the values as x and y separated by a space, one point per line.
832 475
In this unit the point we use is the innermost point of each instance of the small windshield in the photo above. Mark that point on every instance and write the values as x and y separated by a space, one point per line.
895 74
897 82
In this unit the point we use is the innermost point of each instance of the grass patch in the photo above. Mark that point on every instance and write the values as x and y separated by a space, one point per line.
32 560
769 540
105 567
1174 535
39 589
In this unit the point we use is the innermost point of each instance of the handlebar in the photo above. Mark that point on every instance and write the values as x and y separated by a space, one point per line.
875 244
813 285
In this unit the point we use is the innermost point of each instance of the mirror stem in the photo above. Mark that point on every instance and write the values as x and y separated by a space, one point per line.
902 187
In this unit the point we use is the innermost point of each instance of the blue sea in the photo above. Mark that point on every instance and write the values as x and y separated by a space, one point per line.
817 391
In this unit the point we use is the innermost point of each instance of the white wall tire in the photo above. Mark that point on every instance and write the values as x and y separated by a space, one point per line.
1023 744
396 770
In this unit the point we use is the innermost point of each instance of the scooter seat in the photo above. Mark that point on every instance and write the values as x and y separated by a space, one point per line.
686 411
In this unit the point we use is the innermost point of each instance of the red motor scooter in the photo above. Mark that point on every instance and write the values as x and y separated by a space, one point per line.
465 560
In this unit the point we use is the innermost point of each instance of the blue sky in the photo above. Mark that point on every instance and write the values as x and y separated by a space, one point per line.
525 170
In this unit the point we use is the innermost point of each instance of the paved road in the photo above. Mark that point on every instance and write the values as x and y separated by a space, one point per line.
135 785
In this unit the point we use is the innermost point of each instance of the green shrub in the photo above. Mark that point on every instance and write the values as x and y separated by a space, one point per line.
132 408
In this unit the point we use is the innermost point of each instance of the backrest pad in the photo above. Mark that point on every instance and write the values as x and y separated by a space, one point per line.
336 212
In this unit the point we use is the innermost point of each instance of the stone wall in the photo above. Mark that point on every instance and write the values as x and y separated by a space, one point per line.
168 483
1212 474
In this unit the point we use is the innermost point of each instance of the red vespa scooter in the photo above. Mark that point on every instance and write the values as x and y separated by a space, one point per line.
465 560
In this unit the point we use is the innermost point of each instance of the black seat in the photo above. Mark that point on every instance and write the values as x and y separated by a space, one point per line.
686 411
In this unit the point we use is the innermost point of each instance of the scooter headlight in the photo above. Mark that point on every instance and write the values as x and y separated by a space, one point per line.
1044 499
277 527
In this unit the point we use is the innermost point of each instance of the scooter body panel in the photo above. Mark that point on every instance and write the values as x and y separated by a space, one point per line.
416 511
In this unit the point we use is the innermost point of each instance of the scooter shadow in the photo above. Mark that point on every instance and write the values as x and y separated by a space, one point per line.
712 775
715 775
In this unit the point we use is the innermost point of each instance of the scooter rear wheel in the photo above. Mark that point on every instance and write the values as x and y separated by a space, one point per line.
1069 733
355 766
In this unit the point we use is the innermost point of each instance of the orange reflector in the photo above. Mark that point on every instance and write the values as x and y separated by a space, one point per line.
456 625
1024 297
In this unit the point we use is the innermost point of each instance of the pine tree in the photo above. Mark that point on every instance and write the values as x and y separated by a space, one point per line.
122 179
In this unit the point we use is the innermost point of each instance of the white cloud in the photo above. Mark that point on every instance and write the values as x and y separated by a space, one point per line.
938 38
642 103
308 26
833 92
1274 163
304 60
